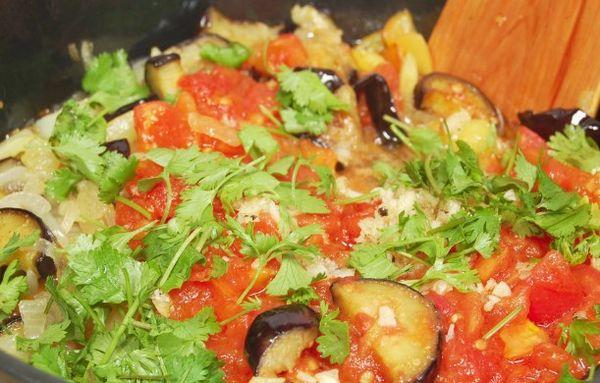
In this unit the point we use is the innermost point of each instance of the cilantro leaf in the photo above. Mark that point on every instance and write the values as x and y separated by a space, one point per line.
291 276
303 295
62 183
122 277
373 261
117 171
78 119
52 360
455 270
334 341
257 141
15 242
575 337
200 367
301 200
525 171
232 55
161 246
219 267
53 334
573 147
282 166
11 288
111 81
307 103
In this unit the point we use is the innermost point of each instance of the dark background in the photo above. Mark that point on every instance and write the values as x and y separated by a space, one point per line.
36 70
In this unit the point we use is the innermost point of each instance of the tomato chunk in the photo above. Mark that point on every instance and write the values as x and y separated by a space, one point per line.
555 290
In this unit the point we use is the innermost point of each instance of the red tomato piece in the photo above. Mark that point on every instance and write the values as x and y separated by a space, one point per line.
158 124
228 95
554 291
287 49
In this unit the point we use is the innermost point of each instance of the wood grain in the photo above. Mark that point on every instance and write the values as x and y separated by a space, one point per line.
524 54
580 80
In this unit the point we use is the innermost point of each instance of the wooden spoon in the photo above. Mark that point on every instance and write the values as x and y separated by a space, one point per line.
524 54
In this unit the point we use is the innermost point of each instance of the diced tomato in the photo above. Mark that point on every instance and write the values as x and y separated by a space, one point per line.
229 95
554 292
158 124
462 362
568 177
191 298
287 49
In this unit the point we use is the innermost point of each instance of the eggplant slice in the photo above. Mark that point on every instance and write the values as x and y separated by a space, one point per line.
443 94
162 74
277 337
380 103
405 333
554 120
119 146
23 222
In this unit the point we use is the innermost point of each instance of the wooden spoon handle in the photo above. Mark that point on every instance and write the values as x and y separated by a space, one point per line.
524 54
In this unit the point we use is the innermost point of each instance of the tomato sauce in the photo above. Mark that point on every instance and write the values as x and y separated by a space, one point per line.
549 292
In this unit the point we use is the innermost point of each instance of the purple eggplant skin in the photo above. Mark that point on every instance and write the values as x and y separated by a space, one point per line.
160 60
126 108
477 98
45 266
272 323
380 103
328 77
554 120
119 146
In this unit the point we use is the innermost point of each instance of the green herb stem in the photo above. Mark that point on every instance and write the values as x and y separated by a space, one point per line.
180 251
135 206
502 323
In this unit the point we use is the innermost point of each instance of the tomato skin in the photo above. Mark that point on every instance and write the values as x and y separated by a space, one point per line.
554 292
287 50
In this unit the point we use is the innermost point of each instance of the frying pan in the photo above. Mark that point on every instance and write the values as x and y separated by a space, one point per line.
37 72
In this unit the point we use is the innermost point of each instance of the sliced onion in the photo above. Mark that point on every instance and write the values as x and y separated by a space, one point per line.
16 144
213 128
33 316
16 175
39 206
45 125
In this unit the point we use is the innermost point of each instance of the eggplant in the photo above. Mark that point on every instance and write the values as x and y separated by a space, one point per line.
45 266
405 333
328 77
443 94
277 337
380 103
554 120
119 146
162 74
23 222
126 108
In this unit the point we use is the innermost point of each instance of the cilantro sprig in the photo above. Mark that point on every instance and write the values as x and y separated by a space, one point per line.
308 105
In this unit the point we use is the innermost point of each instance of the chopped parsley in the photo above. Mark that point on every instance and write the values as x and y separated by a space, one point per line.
111 81
231 55
573 147
334 341
307 104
